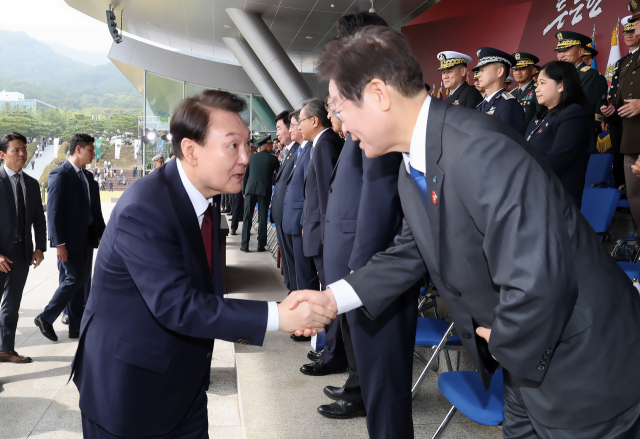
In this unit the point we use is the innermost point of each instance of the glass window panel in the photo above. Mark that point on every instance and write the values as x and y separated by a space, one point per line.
191 89
262 116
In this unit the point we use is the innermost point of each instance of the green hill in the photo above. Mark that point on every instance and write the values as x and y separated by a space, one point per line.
34 69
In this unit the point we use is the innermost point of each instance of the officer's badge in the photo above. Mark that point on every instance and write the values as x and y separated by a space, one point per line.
517 56
634 4
491 111
442 57
456 102
559 36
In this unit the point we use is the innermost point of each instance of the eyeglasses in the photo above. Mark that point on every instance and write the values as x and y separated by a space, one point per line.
302 120
334 112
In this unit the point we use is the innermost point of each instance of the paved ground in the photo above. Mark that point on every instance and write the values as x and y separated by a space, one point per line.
40 163
258 394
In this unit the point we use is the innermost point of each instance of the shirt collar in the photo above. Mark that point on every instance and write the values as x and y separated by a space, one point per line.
526 85
634 50
199 202
291 144
489 97
456 88
74 166
10 172
580 65
417 150
315 140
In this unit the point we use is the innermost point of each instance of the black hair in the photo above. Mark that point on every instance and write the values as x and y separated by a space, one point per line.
284 117
572 93
348 24
193 116
6 138
81 140
316 108
294 114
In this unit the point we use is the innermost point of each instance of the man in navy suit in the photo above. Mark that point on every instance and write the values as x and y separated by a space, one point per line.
70 213
306 274
157 303
289 153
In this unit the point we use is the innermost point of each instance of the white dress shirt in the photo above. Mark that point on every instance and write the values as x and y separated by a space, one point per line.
315 139
12 179
200 205
489 97
346 297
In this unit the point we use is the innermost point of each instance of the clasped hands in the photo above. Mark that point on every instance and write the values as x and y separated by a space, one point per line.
307 312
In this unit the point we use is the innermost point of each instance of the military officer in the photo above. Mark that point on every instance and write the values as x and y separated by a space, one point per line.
158 160
453 66
507 83
570 48
525 92
493 69
589 54
476 83
611 118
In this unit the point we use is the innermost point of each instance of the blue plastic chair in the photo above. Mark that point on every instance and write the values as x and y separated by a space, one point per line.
434 334
598 169
465 391
599 206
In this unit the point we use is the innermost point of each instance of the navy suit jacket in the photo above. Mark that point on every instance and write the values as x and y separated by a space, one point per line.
154 311
506 107
294 194
68 209
563 142
277 199
323 161
363 210
96 229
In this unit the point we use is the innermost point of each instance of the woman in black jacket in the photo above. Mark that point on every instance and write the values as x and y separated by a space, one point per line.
561 130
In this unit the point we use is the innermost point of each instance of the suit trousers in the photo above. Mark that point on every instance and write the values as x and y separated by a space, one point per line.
615 131
633 187
87 281
250 201
13 285
518 424
306 274
195 425
237 208
285 243
380 355
71 290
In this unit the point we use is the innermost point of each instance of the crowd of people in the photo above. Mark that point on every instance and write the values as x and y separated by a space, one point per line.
374 191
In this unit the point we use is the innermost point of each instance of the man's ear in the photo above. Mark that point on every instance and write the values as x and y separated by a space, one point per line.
188 151
378 92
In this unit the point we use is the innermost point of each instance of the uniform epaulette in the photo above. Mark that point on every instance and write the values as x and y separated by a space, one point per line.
506 95
585 68
535 84
513 92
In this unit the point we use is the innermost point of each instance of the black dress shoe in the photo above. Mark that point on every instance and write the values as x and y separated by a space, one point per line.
333 392
244 249
313 355
233 232
300 338
45 328
262 249
342 410
319 369
74 334
65 319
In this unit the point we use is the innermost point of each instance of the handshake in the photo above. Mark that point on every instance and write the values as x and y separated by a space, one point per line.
306 312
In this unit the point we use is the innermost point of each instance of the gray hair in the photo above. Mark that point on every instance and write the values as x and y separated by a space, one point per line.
316 108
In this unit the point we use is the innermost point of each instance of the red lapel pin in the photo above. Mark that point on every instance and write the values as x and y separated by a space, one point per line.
434 197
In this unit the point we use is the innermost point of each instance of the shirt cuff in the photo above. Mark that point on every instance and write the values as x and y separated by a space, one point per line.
273 319
345 296
60 245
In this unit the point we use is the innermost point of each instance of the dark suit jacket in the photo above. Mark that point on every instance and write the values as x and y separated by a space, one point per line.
294 194
509 250
97 227
323 161
506 108
34 216
363 210
258 177
562 140
154 311
277 199
68 209
466 96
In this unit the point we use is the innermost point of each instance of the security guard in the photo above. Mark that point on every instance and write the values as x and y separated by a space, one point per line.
525 92
493 69
611 117
453 66
570 48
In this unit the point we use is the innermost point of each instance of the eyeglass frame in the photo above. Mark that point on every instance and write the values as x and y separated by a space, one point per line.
336 113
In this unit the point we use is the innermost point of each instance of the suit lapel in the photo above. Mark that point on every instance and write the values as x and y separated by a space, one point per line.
186 215
306 149
4 178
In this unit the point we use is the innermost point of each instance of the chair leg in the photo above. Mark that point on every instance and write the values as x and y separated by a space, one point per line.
448 358
444 423
432 359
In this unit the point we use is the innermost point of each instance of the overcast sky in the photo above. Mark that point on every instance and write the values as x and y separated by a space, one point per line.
54 21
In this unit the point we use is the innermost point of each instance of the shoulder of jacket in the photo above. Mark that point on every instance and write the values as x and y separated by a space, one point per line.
507 95
585 69
513 92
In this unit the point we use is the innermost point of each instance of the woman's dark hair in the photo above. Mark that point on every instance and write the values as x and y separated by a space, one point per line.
193 115
572 93
348 24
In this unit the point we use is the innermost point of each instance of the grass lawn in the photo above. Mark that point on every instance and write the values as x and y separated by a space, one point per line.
126 160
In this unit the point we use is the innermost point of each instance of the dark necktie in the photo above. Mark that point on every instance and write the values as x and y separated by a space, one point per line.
207 236
484 106
421 183
21 222
86 194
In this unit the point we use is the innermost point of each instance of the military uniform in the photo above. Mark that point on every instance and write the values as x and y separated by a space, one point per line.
526 96
464 94
593 83
501 104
